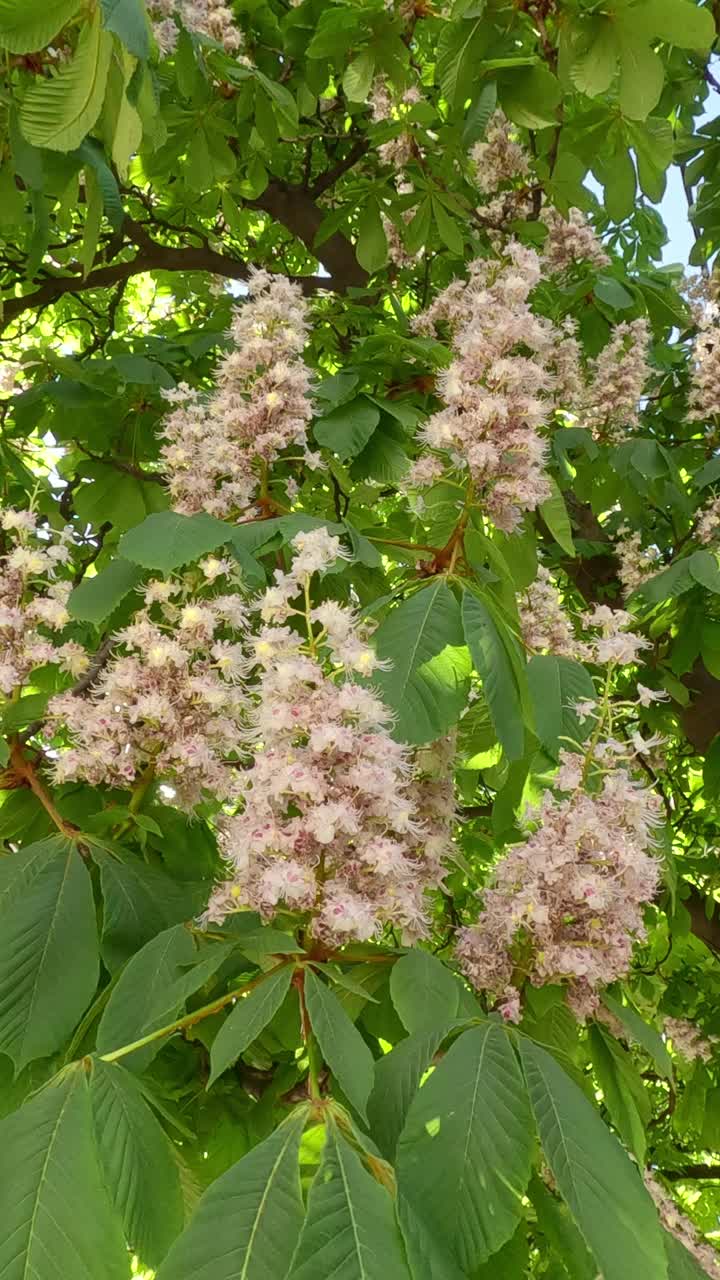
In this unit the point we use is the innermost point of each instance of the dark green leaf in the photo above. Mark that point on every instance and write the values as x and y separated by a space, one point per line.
350 1230
48 947
249 1017
166 540
347 429
602 1188
397 1079
489 642
94 599
424 991
341 1044
141 1172
247 1224
465 1152
556 685
57 1222
426 687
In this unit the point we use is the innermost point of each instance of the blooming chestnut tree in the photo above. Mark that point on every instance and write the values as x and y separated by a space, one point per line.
359 641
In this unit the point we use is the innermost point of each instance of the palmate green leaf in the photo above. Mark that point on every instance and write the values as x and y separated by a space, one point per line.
594 56
426 686
247 1020
48 947
341 1044
372 247
347 429
464 1155
556 685
642 1033
602 1188
31 25
642 76
358 76
140 1169
623 1090
460 48
397 1079
561 1233
479 113
139 901
129 21
554 513
166 540
59 112
94 599
57 1222
490 644
423 990
678 22
247 1224
350 1231
530 96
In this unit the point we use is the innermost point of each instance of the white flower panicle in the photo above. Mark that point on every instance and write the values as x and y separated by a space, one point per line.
567 905
215 448
503 171
570 240
705 378
688 1040
636 563
499 389
499 158
210 18
545 625
338 820
33 605
168 705
618 378
708 525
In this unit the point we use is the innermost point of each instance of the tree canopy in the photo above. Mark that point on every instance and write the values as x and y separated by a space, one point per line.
359 640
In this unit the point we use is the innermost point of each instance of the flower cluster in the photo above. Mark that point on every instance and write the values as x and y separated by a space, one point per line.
544 623
337 820
499 389
499 158
688 1041
675 1221
32 602
618 377
567 905
571 240
636 563
503 173
215 449
211 18
705 379
168 705
708 525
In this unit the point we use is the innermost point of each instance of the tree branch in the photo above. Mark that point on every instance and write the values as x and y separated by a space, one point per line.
692 1171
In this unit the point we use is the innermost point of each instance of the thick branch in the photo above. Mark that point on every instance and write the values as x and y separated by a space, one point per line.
692 1171
154 256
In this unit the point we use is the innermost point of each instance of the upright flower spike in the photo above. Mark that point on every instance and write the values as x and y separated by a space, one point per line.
500 388
566 906
618 378
211 18
33 603
338 820
216 449
169 702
